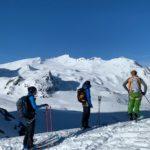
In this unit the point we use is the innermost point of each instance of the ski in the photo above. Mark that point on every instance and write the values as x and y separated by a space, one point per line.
52 142
46 140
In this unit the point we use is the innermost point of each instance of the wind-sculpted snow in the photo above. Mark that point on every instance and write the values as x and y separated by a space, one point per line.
121 136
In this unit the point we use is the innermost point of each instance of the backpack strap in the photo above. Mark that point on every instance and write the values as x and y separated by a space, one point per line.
130 82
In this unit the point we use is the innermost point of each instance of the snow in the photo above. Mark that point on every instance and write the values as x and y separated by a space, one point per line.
57 80
121 136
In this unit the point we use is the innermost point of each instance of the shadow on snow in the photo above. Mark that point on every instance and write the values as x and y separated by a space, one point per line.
65 119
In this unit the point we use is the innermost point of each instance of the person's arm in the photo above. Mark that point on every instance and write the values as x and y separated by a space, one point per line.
144 85
43 105
88 96
33 103
125 85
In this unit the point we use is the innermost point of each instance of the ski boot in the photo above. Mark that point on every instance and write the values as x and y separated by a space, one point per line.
131 116
136 117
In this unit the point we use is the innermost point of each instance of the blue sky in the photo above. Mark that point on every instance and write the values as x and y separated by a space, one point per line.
80 28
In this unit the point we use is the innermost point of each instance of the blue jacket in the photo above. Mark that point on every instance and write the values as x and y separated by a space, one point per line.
33 103
88 95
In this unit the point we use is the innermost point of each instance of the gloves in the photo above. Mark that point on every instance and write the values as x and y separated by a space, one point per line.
44 105
143 93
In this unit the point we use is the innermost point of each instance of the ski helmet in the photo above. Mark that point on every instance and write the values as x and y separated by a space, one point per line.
32 90
87 84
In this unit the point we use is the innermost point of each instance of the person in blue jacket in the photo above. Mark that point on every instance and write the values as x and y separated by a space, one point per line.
30 118
87 105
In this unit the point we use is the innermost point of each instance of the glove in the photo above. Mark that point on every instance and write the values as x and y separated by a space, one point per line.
143 93
44 105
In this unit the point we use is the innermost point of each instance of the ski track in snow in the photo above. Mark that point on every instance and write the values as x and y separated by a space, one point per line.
121 136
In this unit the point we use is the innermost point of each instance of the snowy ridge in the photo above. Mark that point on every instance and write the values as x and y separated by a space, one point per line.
106 75
57 79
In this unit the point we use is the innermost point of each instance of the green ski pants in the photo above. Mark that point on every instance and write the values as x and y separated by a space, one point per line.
134 102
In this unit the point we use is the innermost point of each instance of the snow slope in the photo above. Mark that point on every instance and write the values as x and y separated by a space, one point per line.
121 136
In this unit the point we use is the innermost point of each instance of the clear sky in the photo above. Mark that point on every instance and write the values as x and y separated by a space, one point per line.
80 28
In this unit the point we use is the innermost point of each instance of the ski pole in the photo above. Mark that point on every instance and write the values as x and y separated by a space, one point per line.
47 114
51 123
49 127
99 103
46 119
147 99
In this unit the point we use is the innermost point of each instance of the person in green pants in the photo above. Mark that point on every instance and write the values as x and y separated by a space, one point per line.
133 86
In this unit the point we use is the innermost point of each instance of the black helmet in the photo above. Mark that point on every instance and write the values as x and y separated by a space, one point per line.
87 84
32 90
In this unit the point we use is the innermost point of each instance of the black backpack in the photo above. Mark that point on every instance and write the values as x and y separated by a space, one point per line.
81 95
22 106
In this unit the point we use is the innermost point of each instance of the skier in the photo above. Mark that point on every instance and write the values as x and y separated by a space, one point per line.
133 86
84 96
30 118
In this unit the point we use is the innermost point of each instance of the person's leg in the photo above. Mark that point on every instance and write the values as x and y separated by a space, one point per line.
137 107
25 141
31 126
131 105
87 116
83 117
32 131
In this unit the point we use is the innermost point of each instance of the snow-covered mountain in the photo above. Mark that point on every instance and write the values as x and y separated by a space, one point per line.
66 74
60 77
57 80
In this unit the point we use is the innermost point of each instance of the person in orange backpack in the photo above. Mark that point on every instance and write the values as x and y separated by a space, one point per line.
133 85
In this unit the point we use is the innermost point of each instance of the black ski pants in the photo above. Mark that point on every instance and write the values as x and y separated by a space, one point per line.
29 133
85 117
